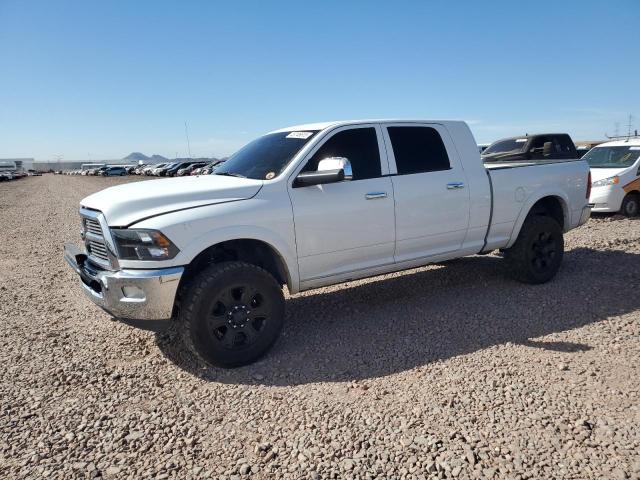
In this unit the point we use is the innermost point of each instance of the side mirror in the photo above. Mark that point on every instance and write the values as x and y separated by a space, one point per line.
547 148
337 163
330 170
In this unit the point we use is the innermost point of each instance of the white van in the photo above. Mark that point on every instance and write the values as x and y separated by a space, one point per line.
615 176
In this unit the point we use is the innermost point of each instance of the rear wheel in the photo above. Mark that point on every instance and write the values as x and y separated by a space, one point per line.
232 313
536 255
631 205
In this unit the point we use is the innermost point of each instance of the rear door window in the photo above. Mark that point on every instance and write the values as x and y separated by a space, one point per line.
418 150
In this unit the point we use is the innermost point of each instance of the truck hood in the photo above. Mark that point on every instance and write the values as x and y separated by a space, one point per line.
126 204
600 173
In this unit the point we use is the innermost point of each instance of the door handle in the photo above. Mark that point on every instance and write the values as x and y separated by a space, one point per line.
455 185
374 195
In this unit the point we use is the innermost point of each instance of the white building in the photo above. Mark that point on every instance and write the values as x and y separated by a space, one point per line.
21 163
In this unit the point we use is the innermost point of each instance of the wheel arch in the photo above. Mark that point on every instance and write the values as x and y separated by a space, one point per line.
250 250
553 205
629 193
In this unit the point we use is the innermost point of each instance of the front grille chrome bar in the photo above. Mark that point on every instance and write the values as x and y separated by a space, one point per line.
97 239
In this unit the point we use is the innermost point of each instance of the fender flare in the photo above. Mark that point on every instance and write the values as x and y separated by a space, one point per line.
208 239
530 202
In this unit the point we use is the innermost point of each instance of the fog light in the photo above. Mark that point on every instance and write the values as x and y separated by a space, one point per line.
131 291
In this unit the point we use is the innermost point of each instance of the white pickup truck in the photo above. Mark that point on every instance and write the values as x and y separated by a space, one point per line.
310 206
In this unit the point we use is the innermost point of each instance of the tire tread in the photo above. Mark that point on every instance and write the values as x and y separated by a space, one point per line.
516 256
195 290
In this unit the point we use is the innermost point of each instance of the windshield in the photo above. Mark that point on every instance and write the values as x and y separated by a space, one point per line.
265 157
612 157
504 146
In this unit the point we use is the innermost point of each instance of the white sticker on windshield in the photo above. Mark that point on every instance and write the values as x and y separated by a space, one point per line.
634 148
520 140
303 135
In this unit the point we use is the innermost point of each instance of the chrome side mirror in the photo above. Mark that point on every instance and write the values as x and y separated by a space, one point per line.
336 163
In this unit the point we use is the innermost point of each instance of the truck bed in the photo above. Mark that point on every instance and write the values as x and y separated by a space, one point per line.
516 186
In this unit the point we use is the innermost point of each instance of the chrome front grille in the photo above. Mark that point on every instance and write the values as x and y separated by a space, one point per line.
92 226
97 250
96 239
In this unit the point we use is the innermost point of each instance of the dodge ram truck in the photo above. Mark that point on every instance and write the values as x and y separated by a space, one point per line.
310 206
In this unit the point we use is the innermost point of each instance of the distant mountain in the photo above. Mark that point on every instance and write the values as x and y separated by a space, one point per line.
141 157
136 156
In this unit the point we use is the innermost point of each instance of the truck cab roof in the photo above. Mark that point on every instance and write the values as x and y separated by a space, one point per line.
343 123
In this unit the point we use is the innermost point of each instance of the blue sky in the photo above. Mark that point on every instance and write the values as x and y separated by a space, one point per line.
89 79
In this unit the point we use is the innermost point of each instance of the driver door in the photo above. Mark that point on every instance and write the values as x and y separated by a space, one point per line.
346 226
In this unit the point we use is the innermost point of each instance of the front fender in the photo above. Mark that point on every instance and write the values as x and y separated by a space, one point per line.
246 232
269 220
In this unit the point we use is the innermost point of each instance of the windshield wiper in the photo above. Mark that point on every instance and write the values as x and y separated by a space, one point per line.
230 174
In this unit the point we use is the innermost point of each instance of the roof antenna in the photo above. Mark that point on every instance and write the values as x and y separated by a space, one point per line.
186 132
617 136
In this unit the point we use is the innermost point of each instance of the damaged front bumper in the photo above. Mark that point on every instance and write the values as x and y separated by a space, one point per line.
127 294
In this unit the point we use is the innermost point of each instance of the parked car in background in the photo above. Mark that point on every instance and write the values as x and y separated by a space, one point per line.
209 169
97 171
150 169
615 172
114 172
538 147
311 206
161 171
139 170
173 170
8 169
189 168
197 171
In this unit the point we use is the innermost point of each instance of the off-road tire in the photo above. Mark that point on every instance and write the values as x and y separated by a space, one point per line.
206 319
536 255
630 205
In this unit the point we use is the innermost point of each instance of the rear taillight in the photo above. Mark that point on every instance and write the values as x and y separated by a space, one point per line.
589 185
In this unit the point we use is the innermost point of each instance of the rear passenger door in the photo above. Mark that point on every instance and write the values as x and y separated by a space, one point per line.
430 190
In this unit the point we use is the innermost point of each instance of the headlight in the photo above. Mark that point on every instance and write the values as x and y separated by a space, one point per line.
139 244
606 181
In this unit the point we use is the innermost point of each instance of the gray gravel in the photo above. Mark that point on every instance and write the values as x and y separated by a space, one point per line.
442 372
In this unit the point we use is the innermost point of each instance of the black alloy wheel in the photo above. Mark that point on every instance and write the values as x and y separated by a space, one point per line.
537 253
232 313
238 315
543 251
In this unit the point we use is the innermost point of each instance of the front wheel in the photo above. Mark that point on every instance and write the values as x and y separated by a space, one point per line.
232 314
630 205
536 255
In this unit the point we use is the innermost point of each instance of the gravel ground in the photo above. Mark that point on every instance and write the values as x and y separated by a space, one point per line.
442 372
